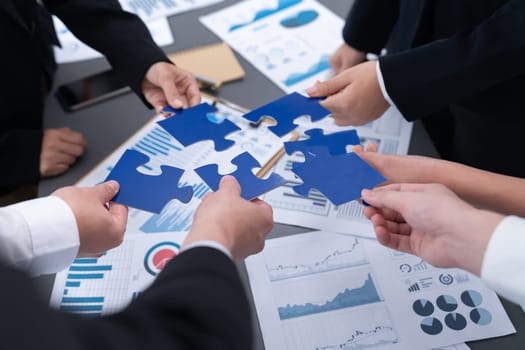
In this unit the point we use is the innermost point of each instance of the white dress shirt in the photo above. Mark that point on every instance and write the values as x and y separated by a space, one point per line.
39 235
504 261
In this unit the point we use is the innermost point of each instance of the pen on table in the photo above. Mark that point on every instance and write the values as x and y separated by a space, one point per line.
206 82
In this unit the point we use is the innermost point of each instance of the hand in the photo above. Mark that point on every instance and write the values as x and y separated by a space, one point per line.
60 149
239 225
345 57
166 84
101 224
431 222
353 96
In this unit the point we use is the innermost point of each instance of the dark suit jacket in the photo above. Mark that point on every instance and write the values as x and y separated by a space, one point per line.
466 57
197 302
26 36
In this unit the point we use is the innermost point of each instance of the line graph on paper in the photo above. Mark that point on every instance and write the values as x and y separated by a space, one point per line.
349 253
352 329
364 339
364 293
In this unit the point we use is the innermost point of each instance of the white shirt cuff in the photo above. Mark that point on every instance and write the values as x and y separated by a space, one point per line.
504 260
381 82
53 231
210 244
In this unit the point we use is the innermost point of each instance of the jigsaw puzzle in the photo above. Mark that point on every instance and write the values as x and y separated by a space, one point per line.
286 109
192 125
147 192
251 185
341 178
335 143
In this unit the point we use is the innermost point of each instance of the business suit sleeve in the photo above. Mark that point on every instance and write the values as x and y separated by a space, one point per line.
369 24
121 36
428 78
197 302
20 155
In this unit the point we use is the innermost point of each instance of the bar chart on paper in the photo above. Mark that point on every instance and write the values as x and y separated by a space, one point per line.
93 287
151 9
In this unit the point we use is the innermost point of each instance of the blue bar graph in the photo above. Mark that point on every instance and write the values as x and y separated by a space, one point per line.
85 261
78 276
91 268
76 308
72 284
83 299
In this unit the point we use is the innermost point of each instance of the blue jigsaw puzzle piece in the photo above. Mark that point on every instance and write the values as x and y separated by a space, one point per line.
147 192
251 185
192 125
335 143
286 109
340 178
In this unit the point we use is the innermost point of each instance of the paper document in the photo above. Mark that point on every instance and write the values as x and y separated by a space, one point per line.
73 50
94 287
289 41
391 133
152 9
328 291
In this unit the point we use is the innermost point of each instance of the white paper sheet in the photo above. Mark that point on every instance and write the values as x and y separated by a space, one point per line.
325 291
391 133
289 41
74 50
105 285
152 9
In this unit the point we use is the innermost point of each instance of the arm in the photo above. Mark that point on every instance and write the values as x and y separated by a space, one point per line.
20 144
44 235
369 24
127 44
422 80
481 188
196 302
431 222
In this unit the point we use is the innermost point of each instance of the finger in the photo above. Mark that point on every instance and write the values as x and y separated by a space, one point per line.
72 149
330 86
382 199
157 100
193 94
62 158
371 147
106 190
172 95
71 136
229 184
119 213
393 241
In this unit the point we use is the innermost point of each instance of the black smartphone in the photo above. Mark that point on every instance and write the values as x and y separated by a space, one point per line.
90 90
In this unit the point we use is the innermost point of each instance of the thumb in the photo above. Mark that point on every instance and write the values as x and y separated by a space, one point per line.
106 190
328 87
394 200
229 184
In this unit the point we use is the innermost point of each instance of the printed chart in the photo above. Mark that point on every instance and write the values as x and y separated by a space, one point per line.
153 9
323 290
289 41
93 287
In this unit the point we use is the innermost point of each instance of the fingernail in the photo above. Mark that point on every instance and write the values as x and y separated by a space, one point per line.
114 185
367 193
177 103
311 90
